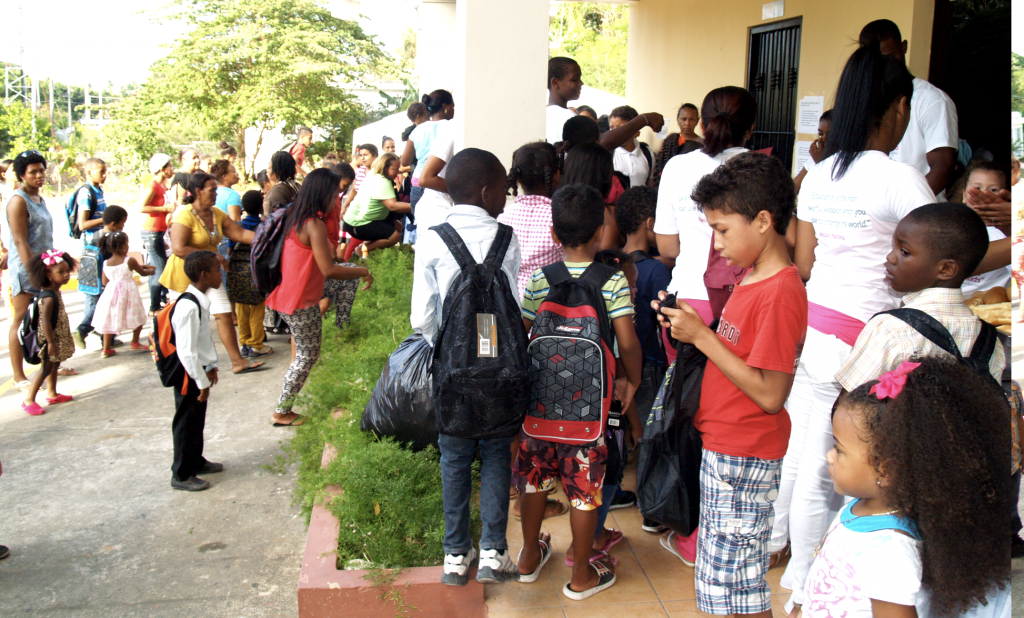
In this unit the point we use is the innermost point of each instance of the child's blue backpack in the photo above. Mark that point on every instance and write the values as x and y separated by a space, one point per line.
71 210
90 280
480 369
28 332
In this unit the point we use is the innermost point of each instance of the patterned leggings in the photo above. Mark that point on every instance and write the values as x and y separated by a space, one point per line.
305 327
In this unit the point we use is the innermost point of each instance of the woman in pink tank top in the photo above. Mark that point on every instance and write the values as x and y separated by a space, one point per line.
306 262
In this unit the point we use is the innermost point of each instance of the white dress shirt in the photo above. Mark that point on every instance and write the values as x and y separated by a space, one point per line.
632 164
192 337
436 267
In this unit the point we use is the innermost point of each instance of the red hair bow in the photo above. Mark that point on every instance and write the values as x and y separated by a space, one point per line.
891 383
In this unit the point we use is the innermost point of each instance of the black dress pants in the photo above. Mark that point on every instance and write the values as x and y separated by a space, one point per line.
187 430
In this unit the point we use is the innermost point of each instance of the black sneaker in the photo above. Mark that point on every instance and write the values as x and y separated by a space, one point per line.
622 500
1017 547
114 343
4 552
192 483
653 527
211 467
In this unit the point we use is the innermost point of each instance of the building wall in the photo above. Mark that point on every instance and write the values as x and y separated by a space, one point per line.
679 50
436 46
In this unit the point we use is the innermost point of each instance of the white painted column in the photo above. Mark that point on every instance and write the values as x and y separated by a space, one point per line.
436 51
501 65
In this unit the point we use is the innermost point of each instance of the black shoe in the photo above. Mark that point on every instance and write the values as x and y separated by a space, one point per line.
211 467
192 483
1017 547
4 552
652 526
622 499
114 343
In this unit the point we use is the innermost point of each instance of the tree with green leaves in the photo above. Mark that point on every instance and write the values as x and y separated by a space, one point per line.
256 63
595 36
1016 82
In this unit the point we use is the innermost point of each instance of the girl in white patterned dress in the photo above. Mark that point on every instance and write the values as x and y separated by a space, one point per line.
120 306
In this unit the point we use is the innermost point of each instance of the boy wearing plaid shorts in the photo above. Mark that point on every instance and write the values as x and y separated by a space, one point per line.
577 214
752 357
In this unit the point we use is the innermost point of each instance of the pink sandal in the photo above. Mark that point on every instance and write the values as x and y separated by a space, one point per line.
594 557
59 399
34 409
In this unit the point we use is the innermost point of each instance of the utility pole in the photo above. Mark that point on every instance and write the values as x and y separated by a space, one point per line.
70 123
87 103
51 101
34 98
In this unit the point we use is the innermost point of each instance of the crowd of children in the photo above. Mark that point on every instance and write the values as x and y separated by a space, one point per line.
851 409
850 424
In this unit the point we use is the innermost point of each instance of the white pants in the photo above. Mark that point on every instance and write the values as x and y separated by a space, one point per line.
807 500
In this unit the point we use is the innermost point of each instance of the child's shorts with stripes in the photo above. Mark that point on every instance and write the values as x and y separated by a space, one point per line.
733 546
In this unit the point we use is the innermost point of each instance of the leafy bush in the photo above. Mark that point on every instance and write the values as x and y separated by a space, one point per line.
390 508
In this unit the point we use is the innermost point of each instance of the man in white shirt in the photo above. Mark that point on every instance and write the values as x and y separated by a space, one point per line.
932 138
190 320
633 158
478 187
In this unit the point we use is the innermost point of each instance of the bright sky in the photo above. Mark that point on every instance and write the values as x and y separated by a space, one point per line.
77 42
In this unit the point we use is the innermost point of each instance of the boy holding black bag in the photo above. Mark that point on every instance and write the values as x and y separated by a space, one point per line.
464 303
748 201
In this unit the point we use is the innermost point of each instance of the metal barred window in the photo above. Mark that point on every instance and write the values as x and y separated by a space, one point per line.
772 72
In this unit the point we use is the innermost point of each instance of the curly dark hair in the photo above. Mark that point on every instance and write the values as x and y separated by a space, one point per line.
534 166
944 445
634 207
37 269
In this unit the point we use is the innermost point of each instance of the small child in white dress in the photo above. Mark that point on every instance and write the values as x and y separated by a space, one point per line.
120 306
925 452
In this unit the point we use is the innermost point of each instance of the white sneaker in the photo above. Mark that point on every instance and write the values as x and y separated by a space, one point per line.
456 568
496 567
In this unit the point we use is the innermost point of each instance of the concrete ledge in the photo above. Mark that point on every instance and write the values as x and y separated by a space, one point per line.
325 591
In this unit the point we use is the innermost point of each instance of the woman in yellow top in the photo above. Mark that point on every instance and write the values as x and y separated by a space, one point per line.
198 226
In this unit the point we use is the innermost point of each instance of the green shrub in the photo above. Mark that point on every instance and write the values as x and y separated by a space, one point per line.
390 508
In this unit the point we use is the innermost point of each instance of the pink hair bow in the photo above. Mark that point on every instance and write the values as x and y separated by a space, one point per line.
891 383
52 256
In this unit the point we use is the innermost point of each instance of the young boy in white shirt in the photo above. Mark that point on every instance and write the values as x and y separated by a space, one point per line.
190 319
477 184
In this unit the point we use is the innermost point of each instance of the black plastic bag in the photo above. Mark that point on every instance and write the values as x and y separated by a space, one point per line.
668 471
401 405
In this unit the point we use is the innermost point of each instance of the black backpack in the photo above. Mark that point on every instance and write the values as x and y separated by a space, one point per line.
933 330
572 368
266 249
481 384
163 345
28 332
668 470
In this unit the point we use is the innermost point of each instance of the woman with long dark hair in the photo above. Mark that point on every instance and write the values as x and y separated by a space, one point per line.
306 263
850 205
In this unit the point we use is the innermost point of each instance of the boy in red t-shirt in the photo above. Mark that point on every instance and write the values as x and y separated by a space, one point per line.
748 201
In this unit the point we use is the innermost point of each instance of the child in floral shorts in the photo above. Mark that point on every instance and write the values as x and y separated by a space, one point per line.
577 214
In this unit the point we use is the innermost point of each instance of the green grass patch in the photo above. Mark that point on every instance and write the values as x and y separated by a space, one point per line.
390 510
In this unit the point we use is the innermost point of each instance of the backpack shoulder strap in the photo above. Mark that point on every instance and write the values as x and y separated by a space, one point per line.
556 273
930 328
639 256
646 150
598 274
985 344
49 294
457 246
496 255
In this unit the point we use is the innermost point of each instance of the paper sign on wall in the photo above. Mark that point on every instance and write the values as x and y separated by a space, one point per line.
803 152
773 10
811 109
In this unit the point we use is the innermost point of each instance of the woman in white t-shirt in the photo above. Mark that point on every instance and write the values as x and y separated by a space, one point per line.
440 109
849 206
727 120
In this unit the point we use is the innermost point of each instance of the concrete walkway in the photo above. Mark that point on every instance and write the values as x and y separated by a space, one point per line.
86 506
